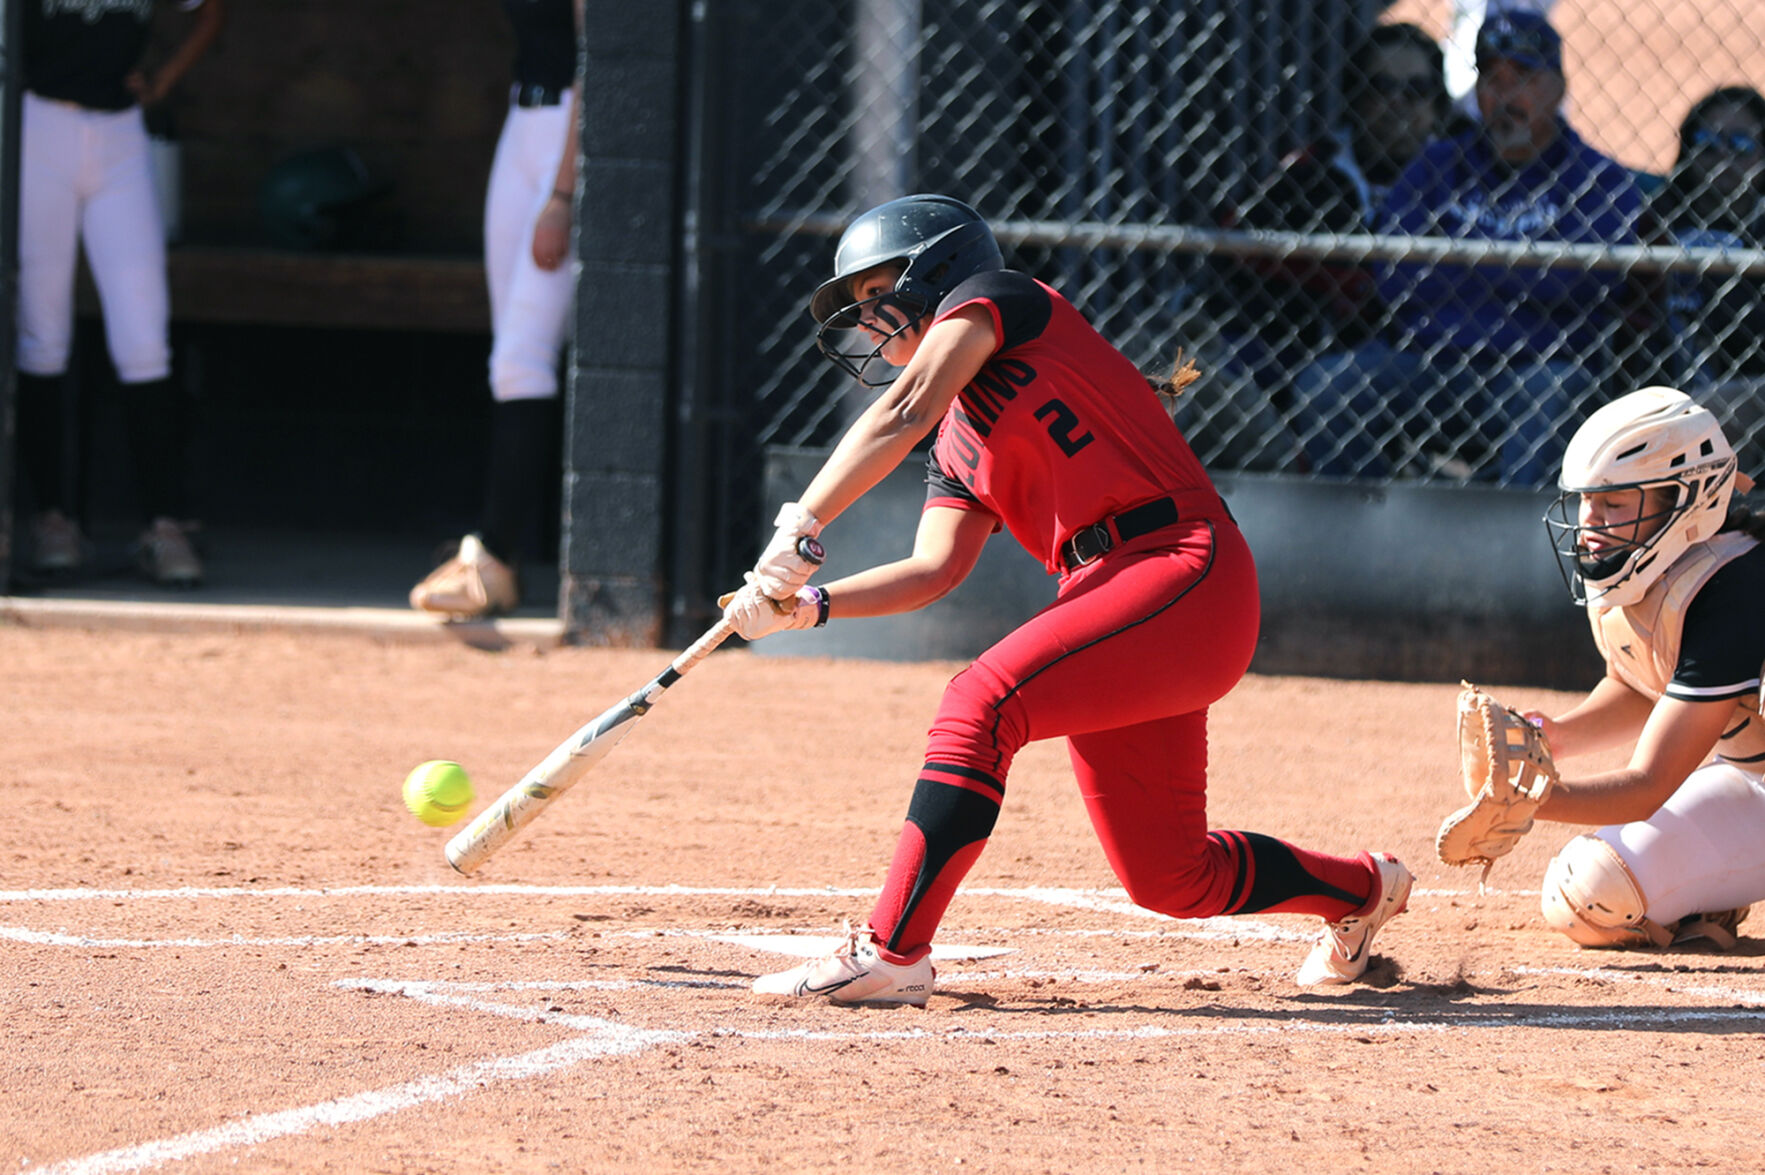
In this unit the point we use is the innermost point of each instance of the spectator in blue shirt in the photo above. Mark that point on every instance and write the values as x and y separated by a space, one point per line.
1714 198
1483 368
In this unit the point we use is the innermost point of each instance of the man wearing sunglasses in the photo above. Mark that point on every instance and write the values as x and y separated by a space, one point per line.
1277 312
1484 369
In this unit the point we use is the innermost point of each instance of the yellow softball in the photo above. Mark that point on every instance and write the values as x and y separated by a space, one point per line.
438 792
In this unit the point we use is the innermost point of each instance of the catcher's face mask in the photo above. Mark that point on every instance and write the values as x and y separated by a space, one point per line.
1604 535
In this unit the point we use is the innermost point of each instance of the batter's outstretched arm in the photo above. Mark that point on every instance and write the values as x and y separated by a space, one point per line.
945 549
950 355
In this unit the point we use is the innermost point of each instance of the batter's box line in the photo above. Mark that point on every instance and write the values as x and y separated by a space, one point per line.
603 1038
441 938
1667 982
599 1039
1106 900
445 993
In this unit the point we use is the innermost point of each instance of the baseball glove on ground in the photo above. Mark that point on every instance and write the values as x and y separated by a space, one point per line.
1507 770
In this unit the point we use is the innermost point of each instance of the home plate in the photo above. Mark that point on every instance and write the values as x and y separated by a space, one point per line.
814 946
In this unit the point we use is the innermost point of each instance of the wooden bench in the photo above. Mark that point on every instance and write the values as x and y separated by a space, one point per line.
367 291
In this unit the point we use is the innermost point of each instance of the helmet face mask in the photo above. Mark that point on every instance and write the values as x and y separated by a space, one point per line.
1664 474
937 241
850 345
1600 552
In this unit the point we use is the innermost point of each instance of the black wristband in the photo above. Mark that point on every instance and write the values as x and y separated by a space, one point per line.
820 605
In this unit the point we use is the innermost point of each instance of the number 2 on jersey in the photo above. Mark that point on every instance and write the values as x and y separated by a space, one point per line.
1062 423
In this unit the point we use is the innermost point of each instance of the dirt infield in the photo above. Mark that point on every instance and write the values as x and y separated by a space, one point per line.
225 945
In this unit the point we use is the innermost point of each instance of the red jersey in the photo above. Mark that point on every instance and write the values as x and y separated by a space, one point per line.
1058 430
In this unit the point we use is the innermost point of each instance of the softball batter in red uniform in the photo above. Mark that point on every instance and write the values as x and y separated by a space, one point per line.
1046 430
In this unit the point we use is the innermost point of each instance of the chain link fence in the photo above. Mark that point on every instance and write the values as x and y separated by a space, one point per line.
1390 263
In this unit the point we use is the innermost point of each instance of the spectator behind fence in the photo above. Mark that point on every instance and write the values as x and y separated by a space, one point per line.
86 179
1714 198
1278 313
528 213
1484 367
1396 101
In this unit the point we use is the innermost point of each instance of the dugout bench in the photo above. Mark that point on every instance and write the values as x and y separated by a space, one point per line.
324 385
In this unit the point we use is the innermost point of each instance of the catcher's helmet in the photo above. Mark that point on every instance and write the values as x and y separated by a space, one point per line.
1656 438
306 199
939 241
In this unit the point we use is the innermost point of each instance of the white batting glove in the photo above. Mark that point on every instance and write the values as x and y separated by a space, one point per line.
782 568
753 614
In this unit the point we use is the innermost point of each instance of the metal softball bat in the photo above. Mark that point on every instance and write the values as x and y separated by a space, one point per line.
571 759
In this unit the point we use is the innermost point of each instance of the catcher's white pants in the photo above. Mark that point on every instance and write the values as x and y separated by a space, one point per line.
88 174
1701 851
529 306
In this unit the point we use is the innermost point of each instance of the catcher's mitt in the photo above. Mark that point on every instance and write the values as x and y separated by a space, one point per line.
1507 769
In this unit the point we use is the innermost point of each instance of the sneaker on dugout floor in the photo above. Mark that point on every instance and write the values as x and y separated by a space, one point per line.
1341 956
166 556
854 974
56 542
471 585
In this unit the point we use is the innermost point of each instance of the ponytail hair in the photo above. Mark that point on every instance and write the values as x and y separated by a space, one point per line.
1746 515
1183 373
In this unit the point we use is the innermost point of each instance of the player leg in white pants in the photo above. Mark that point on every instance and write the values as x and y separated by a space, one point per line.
530 320
1698 854
49 205
87 175
1701 851
529 306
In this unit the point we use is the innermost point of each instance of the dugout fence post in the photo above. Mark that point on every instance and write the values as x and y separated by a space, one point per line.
614 519
11 52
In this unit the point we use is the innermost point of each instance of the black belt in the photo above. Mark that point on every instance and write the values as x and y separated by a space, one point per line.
534 94
1094 541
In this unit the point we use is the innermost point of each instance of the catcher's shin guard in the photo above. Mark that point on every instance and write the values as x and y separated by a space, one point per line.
1590 895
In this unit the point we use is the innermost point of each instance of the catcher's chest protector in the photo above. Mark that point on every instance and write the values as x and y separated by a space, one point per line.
1641 642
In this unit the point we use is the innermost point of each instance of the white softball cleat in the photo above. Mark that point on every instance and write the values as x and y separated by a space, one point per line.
854 974
1341 956
470 586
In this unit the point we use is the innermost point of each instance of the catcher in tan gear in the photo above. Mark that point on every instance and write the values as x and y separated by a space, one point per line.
1506 766
1650 538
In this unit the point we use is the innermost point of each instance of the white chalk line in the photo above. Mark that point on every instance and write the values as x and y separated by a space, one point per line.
442 993
1108 900
1674 982
62 939
1098 901
464 889
605 1038
608 1039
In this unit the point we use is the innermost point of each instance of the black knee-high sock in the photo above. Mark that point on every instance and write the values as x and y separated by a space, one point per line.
523 449
42 440
153 413
1273 875
948 822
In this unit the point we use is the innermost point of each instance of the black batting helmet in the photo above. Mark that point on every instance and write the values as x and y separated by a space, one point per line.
938 240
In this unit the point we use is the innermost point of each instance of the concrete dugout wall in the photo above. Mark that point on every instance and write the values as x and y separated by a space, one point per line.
1403 582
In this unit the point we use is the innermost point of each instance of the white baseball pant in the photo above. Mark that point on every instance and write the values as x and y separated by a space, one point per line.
88 175
1701 851
529 306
